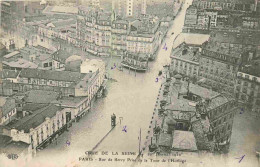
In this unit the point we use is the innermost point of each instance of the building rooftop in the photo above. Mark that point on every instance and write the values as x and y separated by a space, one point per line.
185 53
20 63
9 73
2 101
212 46
40 96
61 55
191 39
230 1
31 107
60 10
180 105
9 55
4 140
62 23
199 128
52 75
184 140
16 147
165 140
235 37
201 91
2 46
36 119
218 101
69 101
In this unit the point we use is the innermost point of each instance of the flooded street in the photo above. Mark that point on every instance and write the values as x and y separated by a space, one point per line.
130 97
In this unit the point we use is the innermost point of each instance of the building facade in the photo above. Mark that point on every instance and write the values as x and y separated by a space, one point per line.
39 132
191 16
68 83
7 110
219 69
226 4
247 88
185 61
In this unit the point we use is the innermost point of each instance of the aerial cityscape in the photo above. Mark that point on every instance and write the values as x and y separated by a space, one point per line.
129 83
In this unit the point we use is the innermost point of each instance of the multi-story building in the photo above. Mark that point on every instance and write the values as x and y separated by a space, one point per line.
191 16
144 37
21 148
7 110
219 66
250 21
99 37
119 32
238 5
205 117
203 21
13 13
62 29
94 31
129 8
67 83
257 6
223 18
138 62
185 61
41 127
212 15
29 57
247 88
59 59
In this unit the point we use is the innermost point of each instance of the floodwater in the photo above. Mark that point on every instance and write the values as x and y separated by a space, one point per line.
131 97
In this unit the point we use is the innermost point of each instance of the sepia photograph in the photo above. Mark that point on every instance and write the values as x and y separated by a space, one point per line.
129 83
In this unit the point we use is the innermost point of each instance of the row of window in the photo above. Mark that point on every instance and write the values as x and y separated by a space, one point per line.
222 109
40 133
10 113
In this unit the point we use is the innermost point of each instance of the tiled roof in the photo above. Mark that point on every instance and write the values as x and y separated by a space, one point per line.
40 96
33 106
70 101
9 73
37 118
184 140
11 54
52 75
